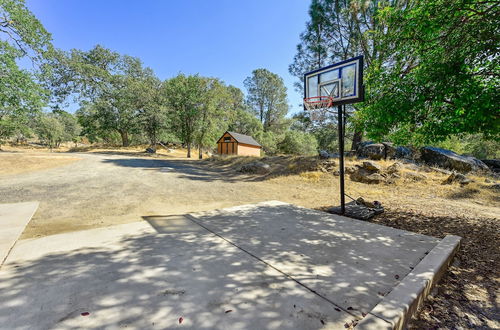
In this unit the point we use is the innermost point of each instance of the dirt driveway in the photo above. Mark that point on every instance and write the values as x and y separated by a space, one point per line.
105 189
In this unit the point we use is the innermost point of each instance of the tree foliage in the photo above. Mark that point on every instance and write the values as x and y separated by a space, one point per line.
49 129
338 30
298 143
21 36
444 73
112 90
267 98
199 109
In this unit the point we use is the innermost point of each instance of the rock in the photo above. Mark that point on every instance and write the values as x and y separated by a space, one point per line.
457 177
403 153
324 154
412 176
493 164
255 167
375 151
371 166
450 160
327 166
170 150
350 169
151 150
365 176
394 168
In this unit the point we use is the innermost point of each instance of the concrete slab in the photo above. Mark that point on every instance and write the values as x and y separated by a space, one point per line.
13 219
398 306
352 263
264 266
144 276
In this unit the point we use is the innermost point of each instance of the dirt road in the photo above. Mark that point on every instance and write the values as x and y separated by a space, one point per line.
105 189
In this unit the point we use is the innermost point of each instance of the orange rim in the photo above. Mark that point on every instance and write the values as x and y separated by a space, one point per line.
325 101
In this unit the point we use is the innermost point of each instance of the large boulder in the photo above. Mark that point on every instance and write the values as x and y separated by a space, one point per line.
370 150
403 153
493 164
255 168
450 160
377 151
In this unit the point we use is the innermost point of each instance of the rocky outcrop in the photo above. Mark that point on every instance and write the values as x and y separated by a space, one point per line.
403 153
450 160
384 150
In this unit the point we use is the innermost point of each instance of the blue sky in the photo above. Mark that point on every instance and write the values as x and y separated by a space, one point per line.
218 38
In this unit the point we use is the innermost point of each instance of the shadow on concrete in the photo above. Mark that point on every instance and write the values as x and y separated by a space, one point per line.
352 263
153 279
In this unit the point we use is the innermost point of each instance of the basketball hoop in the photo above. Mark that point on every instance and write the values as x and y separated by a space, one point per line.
318 102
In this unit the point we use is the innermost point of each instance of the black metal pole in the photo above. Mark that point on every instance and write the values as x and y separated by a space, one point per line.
341 159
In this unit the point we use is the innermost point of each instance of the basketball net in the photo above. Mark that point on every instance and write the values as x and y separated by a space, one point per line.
318 107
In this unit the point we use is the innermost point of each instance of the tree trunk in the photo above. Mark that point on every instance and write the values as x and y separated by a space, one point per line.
189 150
357 138
200 155
125 141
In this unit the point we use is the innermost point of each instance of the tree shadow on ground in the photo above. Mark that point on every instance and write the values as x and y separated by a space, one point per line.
186 169
467 296
177 268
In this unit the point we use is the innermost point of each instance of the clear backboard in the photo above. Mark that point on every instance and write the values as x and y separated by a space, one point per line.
342 81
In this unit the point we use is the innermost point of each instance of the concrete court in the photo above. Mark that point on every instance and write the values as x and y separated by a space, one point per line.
263 266
13 219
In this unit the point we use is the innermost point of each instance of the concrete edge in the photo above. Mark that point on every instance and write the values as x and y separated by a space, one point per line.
397 308
35 208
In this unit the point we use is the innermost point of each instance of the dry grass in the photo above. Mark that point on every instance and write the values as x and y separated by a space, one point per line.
138 150
21 163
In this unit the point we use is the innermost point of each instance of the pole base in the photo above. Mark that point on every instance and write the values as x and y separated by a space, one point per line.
356 211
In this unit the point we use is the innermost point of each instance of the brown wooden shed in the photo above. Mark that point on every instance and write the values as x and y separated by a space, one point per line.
232 143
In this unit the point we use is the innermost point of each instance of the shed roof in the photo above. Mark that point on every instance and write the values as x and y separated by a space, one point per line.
245 139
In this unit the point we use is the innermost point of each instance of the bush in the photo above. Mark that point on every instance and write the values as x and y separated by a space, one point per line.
269 142
298 143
